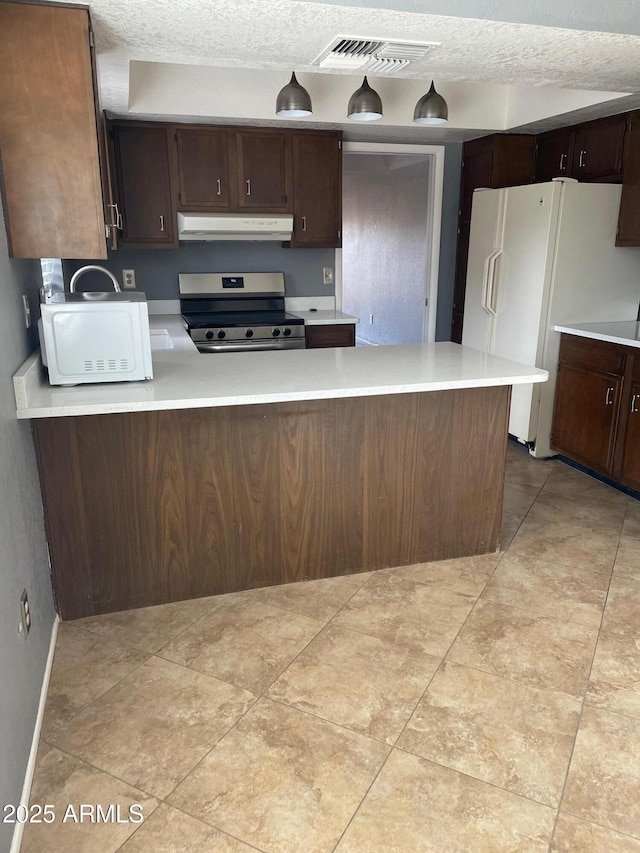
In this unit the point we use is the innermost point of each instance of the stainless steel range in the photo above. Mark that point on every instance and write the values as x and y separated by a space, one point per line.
231 312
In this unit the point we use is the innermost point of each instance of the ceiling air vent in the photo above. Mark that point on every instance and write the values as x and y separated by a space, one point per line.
375 56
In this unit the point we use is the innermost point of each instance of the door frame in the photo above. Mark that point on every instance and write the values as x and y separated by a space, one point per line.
435 156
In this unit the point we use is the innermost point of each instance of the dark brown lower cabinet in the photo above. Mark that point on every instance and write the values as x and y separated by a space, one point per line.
150 507
597 407
338 335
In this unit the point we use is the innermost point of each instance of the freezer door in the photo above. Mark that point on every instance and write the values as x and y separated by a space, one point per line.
519 290
484 243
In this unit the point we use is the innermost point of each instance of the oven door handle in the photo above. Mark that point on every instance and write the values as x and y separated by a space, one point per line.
241 346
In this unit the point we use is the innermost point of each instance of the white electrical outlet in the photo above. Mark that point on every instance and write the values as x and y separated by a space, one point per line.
27 310
129 279
327 275
371 318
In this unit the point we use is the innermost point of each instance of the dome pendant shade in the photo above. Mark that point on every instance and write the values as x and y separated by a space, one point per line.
364 104
293 100
431 108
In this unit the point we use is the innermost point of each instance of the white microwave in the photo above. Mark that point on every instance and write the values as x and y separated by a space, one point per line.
95 337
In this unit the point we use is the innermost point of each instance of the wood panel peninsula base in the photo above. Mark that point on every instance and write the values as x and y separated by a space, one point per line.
145 508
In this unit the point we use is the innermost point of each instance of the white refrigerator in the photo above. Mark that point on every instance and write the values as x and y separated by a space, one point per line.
542 255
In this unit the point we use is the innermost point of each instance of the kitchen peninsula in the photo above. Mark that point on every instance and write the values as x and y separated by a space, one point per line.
240 470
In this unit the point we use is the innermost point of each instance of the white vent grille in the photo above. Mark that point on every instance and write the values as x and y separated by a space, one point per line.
378 56
111 365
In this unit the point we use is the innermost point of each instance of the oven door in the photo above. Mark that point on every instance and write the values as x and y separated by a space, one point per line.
248 346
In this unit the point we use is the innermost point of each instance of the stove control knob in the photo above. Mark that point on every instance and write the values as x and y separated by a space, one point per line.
287 332
209 335
222 334
275 333
248 333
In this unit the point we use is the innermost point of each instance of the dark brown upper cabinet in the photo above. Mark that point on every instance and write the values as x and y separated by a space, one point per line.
204 176
141 173
629 218
49 142
317 193
264 171
554 154
597 149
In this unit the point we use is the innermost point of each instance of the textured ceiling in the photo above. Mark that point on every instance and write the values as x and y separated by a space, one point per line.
287 34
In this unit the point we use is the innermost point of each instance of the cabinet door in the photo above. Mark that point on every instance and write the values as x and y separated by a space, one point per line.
317 190
629 217
51 180
264 171
203 169
338 335
586 416
631 454
141 160
598 149
554 155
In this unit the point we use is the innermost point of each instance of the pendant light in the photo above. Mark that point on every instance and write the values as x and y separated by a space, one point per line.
293 100
364 104
431 108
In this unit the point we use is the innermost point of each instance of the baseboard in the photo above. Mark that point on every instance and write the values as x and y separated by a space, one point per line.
31 764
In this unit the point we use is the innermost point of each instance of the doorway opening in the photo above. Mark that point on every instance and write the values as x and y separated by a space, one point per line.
392 201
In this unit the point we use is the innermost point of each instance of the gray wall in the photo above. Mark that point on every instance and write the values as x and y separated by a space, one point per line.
157 269
23 550
448 239
384 264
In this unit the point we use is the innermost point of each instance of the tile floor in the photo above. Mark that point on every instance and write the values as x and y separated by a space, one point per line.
481 705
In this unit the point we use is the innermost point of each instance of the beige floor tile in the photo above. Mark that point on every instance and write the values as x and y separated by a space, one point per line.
550 654
62 782
244 642
149 628
631 526
415 806
424 617
466 574
551 589
171 831
361 682
155 725
591 510
319 599
622 610
510 526
510 735
518 498
569 481
578 836
283 780
84 667
628 558
603 784
523 468
569 544
615 677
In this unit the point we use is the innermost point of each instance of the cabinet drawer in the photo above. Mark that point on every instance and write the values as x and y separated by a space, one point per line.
586 354
341 335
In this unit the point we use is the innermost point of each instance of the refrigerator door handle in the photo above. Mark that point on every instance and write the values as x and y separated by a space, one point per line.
489 293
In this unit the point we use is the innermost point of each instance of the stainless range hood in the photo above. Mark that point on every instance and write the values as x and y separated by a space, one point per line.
234 226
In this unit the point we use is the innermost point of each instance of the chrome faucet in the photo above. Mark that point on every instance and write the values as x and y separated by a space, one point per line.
83 270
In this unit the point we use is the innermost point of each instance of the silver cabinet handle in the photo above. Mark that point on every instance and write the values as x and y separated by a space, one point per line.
162 223
219 183
607 400
582 161
304 223
633 403
248 187
118 223
563 162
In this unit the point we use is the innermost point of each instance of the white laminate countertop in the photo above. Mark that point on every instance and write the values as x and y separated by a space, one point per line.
626 332
186 379
325 318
